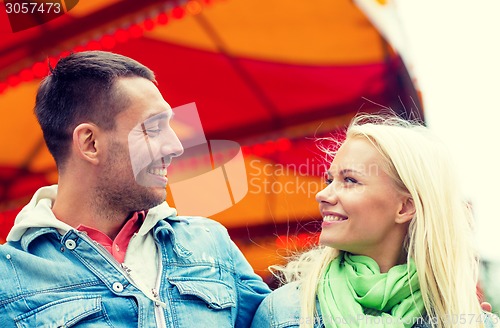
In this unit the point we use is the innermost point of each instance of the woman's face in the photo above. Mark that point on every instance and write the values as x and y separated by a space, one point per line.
360 206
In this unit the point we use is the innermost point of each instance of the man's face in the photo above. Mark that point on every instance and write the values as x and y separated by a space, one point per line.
140 148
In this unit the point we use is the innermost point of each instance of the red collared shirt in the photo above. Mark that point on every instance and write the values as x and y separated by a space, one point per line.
118 246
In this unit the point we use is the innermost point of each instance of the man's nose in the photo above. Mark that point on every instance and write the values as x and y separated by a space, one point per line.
171 146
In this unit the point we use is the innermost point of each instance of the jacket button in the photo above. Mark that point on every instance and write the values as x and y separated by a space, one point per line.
117 287
70 244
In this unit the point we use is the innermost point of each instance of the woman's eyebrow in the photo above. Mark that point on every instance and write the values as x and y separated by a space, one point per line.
350 171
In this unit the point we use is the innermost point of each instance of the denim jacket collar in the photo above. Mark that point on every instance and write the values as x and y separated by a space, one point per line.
33 233
165 227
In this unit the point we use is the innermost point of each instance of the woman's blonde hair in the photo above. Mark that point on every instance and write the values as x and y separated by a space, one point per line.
440 237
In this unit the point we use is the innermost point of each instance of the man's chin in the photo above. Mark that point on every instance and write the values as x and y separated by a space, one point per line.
160 193
151 198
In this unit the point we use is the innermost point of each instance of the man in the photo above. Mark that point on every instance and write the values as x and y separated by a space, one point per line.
103 248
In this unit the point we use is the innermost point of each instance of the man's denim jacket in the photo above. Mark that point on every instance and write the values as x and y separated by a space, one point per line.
53 280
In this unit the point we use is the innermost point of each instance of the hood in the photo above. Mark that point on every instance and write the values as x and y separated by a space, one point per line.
38 214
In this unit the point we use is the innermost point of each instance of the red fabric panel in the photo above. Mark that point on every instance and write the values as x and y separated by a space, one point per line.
232 93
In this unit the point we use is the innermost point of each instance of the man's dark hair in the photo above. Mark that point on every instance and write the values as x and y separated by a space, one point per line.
81 88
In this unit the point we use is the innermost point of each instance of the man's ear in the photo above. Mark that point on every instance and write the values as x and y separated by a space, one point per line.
407 211
85 142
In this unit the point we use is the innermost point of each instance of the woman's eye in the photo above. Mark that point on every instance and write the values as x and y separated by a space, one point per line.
328 181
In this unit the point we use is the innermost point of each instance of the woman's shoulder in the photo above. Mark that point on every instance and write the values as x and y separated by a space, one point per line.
284 303
289 292
281 308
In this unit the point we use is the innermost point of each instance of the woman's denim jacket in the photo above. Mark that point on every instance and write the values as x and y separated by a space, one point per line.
53 280
281 309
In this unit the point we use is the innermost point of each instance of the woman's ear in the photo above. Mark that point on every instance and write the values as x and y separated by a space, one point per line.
85 143
407 211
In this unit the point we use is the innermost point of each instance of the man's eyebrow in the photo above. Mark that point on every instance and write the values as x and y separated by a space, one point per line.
162 115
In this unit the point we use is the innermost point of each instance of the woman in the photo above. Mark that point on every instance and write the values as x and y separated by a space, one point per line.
396 241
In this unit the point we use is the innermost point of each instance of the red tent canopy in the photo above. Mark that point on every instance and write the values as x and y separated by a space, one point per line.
271 75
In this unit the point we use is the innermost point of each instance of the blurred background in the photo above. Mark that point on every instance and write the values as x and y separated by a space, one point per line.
274 76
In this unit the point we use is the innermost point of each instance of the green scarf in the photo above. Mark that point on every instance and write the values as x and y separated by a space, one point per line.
354 293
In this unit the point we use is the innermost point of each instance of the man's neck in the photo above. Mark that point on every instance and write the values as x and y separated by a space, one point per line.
77 211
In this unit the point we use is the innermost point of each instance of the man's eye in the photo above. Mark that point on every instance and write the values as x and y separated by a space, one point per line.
350 180
153 132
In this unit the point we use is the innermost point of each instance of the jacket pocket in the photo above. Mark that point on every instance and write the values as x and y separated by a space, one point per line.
201 302
66 312
215 293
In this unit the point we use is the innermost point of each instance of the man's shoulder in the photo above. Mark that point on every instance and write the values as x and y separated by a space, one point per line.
5 250
8 249
10 256
282 308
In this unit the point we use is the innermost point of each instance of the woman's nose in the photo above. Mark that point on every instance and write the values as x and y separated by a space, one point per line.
327 194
